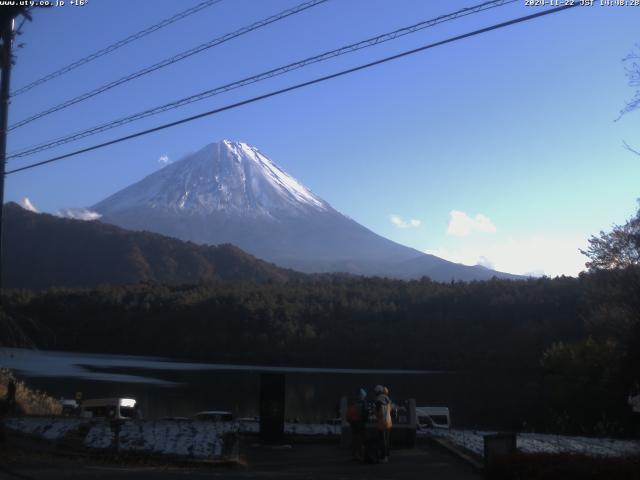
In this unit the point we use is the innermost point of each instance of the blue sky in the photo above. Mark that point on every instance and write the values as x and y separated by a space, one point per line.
500 149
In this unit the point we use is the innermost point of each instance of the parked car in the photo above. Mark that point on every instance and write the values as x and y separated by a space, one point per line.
248 419
214 416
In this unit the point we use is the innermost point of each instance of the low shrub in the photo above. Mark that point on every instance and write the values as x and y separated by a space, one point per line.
30 402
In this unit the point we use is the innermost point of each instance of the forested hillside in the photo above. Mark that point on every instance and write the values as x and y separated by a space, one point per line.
538 340
555 354
41 251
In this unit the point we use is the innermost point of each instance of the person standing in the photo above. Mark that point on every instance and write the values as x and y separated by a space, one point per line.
357 414
383 421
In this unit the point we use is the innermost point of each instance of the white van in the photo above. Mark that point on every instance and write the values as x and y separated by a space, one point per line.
113 408
69 406
434 417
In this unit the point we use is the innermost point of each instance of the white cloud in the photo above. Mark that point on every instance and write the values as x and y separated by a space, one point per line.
400 223
78 214
27 205
461 224
485 262
537 255
164 160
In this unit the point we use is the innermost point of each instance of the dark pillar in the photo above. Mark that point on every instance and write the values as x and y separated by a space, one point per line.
499 450
272 391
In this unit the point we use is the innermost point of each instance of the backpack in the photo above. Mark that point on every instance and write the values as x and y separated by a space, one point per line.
354 413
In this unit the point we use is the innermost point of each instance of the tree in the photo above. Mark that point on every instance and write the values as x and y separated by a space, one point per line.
584 391
612 318
619 248
632 70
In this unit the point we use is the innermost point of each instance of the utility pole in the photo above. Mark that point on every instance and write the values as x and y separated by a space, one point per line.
6 33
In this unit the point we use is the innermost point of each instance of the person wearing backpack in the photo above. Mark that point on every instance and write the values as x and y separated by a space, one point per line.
383 421
357 414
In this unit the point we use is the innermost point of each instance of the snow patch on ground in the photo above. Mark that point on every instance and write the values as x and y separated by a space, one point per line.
200 439
607 447
49 428
187 438
311 429
100 436
473 440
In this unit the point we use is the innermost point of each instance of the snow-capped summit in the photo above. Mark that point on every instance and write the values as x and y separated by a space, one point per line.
230 192
27 205
226 176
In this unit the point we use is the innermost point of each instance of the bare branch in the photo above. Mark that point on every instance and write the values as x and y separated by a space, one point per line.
628 147
632 71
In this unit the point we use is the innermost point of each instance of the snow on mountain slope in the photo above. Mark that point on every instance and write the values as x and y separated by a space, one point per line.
229 192
230 177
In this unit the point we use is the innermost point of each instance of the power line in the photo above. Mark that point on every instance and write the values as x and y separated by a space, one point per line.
298 86
260 77
114 46
170 61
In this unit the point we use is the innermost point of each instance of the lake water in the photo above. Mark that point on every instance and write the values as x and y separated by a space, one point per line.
169 388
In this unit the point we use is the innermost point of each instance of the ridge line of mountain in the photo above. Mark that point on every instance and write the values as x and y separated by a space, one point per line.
230 192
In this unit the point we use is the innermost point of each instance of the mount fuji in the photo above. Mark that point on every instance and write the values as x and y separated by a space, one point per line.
230 192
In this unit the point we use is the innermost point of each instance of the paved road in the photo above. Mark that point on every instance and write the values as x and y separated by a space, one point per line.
306 461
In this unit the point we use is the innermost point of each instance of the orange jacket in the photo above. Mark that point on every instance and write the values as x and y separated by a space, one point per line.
383 412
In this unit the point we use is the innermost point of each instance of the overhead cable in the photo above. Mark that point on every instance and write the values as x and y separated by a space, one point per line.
259 77
116 45
297 86
169 61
